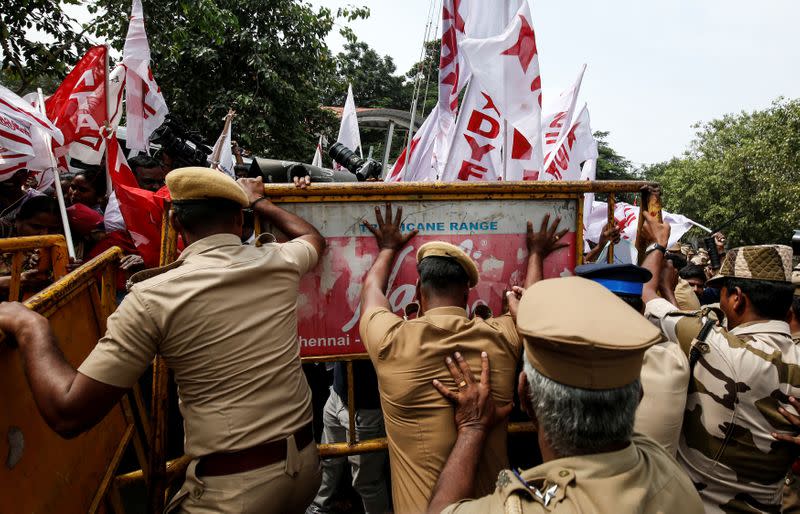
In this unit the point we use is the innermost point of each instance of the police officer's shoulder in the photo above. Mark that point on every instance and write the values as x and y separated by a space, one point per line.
139 278
530 492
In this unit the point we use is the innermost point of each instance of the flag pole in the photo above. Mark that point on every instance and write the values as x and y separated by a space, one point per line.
59 193
109 183
505 148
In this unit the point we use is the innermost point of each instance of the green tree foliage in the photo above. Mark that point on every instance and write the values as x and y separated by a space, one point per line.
613 166
38 43
372 76
742 163
610 164
267 59
427 70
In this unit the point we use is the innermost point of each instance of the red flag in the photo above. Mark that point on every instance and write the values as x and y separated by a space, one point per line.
78 107
141 209
117 165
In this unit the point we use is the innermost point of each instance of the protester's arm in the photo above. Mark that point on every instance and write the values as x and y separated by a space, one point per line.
541 244
475 415
609 233
658 232
290 224
390 240
69 402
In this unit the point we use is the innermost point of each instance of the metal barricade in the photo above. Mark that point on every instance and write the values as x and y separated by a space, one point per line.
52 254
74 476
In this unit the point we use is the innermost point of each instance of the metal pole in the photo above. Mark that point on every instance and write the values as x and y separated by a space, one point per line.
410 133
62 206
109 183
612 204
388 147
505 152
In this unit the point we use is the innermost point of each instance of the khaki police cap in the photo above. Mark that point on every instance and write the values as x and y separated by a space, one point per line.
580 334
442 249
771 263
196 183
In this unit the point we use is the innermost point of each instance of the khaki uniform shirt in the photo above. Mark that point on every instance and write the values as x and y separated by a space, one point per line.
407 356
684 295
738 383
641 478
224 319
665 381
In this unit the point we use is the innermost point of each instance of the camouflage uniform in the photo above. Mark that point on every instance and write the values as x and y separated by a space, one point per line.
741 378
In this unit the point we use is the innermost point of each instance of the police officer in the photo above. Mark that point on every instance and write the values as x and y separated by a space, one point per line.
407 354
580 385
223 317
665 368
741 374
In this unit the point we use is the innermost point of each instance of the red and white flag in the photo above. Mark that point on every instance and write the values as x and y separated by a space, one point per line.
575 146
20 126
626 217
452 79
475 154
421 166
146 108
116 90
430 146
317 160
79 108
17 118
506 66
555 124
141 209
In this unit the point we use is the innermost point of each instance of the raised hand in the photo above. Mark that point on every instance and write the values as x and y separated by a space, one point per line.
388 234
547 239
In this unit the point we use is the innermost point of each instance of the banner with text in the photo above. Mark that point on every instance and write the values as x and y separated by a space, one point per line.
492 232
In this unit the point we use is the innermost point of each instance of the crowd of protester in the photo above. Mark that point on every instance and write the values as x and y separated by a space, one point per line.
664 387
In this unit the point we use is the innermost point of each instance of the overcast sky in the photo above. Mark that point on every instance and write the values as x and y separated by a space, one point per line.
654 67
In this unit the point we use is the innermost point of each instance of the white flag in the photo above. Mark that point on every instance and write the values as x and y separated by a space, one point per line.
555 124
222 154
421 166
507 68
348 130
575 146
145 105
317 161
